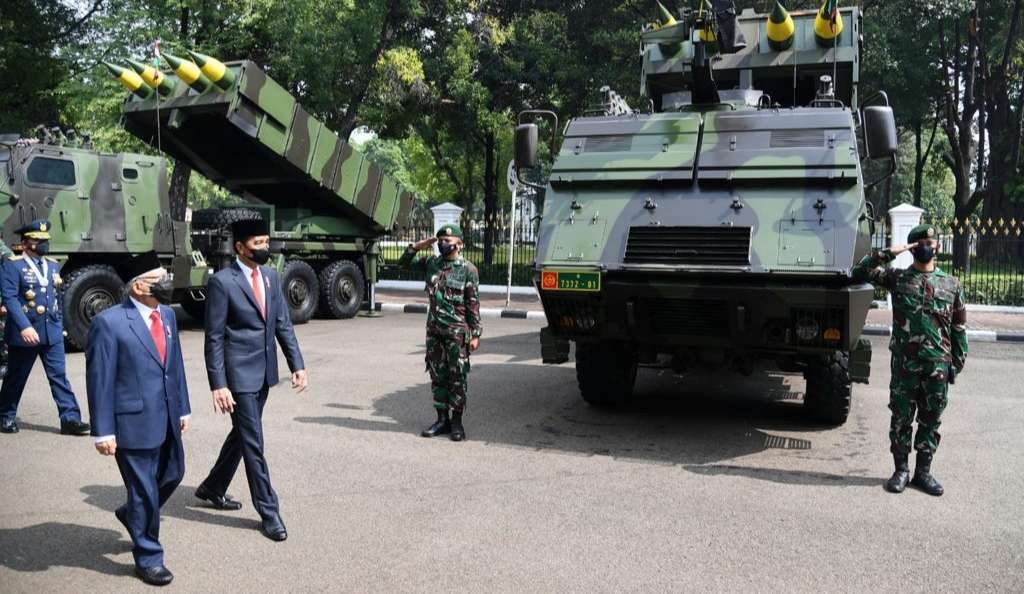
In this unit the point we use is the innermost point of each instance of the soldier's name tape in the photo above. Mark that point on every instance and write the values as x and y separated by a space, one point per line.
520 314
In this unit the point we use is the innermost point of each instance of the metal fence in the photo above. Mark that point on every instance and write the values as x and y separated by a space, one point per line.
991 262
991 270
492 272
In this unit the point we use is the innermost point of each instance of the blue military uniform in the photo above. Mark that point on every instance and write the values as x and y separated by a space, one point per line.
31 289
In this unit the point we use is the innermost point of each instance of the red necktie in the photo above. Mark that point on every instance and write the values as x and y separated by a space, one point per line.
257 292
156 330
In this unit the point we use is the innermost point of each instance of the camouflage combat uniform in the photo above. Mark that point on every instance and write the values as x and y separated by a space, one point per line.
453 320
929 337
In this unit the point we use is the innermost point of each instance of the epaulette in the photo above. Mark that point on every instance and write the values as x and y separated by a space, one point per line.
54 260
14 257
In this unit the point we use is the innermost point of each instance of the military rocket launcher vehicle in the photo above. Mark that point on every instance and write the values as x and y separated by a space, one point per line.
102 207
718 227
326 202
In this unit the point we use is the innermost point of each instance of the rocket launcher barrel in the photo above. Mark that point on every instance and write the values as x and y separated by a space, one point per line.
153 77
188 72
214 69
254 139
131 81
824 32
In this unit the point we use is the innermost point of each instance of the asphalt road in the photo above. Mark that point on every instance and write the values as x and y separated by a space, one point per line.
702 483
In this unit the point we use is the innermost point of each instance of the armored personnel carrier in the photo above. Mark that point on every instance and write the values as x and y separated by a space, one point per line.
102 207
717 227
326 202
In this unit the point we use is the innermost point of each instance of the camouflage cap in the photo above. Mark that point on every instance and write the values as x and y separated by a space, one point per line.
37 229
450 231
921 232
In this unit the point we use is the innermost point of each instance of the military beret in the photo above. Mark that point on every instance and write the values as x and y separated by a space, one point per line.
921 232
242 230
136 266
450 231
37 229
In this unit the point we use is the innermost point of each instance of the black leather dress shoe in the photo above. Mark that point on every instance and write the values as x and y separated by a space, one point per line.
8 427
225 501
273 528
154 576
74 428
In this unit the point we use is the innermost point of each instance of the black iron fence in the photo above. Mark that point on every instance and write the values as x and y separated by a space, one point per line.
986 255
492 264
990 253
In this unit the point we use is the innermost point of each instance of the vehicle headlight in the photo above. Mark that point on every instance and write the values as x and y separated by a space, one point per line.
807 329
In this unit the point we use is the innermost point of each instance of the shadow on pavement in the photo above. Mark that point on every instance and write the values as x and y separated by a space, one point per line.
55 544
41 428
182 505
702 423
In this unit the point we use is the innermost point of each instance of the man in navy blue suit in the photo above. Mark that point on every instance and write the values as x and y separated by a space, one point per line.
138 403
31 288
245 313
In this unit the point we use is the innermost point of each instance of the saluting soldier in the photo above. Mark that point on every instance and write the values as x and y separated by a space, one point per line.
31 287
929 349
453 325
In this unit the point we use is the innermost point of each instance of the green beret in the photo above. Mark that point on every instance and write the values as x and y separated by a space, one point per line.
450 231
921 232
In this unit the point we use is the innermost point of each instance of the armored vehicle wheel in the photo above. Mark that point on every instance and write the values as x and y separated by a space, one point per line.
341 289
217 218
194 308
90 290
827 398
300 287
605 372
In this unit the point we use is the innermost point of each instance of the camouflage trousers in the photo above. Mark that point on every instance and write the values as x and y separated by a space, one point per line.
918 389
448 364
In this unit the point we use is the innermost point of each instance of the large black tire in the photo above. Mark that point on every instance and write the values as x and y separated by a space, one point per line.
301 290
605 372
342 289
829 392
196 309
218 218
89 290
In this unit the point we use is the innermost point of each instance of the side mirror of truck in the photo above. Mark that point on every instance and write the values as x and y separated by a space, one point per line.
880 132
526 146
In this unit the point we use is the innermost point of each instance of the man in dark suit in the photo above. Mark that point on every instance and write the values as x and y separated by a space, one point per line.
138 403
245 313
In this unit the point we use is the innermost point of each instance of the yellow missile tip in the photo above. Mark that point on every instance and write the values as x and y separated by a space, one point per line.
128 79
214 69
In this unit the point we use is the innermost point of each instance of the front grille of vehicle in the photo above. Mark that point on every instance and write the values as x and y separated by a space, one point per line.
571 313
692 317
703 246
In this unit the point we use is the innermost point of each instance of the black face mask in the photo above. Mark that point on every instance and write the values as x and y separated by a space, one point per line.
163 290
923 253
42 248
446 249
261 256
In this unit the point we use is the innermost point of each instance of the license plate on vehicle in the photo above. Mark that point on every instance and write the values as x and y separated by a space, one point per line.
568 280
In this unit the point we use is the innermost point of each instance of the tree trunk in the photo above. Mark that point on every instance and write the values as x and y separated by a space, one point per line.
490 198
350 119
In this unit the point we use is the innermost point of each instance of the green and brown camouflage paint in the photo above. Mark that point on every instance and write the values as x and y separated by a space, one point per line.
716 228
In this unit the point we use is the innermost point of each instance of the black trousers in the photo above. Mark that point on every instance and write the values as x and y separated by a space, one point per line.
245 444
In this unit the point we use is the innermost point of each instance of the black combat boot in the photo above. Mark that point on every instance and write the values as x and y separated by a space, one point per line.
901 477
441 426
923 478
458 433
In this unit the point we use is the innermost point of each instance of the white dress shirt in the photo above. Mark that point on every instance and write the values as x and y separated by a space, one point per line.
145 311
247 270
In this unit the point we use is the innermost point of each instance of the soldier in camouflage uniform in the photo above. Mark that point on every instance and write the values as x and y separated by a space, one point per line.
929 349
453 325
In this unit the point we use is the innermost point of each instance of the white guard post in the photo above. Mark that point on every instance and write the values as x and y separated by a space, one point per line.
902 219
